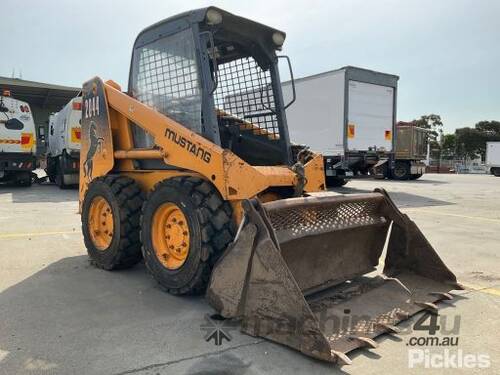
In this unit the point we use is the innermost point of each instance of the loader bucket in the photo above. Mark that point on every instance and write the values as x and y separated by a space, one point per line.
300 272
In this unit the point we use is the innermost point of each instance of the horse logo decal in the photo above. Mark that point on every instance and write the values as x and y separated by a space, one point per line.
96 143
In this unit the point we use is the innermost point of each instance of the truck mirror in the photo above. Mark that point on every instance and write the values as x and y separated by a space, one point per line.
14 124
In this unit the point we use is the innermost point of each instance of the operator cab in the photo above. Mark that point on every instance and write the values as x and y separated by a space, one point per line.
216 74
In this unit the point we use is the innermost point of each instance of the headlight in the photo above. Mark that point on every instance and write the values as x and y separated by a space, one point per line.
213 17
278 38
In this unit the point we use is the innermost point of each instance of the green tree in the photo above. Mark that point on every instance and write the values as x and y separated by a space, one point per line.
470 142
489 128
432 122
448 145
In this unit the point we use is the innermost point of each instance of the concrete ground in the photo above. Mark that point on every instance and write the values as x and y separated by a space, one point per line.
60 315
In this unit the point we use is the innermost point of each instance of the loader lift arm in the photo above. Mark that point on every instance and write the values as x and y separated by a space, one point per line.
183 149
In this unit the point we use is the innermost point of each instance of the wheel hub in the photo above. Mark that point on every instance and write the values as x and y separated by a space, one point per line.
170 235
399 171
101 223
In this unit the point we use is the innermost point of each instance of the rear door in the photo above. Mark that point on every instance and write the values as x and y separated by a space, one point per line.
370 117
17 136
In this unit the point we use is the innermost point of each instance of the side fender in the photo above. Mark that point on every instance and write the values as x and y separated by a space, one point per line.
96 154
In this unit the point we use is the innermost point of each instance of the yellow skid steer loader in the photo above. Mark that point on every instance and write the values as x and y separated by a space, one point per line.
193 171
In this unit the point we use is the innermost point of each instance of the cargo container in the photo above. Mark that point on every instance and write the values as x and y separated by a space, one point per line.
411 149
348 115
493 157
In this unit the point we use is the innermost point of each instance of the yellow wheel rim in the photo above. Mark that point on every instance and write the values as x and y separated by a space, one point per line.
100 223
170 235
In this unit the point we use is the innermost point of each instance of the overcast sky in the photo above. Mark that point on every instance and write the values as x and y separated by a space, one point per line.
446 52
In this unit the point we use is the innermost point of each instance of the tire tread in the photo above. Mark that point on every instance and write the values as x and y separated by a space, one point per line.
217 227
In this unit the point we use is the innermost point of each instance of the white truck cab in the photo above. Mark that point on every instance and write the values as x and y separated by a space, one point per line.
17 141
63 157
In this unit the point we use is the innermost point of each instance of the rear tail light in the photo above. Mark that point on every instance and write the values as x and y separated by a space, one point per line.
76 134
25 140
77 106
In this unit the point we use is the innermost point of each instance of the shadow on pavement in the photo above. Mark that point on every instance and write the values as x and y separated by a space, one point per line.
71 317
401 199
46 192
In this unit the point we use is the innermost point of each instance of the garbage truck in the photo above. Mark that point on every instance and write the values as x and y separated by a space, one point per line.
17 141
208 193
63 156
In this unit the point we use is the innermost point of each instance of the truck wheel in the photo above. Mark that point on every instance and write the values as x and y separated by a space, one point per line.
51 169
495 171
59 175
415 176
111 213
335 181
22 179
186 225
401 171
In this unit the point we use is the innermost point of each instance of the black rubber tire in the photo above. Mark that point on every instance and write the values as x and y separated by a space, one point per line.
211 230
401 171
335 181
495 171
415 176
51 169
23 179
59 178
126 199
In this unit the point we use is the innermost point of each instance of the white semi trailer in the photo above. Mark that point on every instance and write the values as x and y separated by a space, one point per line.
493 157
17 141
349 116
63 157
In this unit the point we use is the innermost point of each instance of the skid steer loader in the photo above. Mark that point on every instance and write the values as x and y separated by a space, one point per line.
193 171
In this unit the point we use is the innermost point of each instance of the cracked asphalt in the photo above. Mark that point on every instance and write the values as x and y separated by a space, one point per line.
61 315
